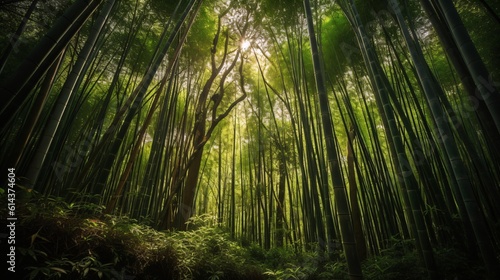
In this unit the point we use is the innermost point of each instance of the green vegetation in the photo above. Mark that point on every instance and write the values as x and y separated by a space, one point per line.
251 139
57 240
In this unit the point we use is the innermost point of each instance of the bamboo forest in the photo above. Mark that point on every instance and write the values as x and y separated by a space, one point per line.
250 139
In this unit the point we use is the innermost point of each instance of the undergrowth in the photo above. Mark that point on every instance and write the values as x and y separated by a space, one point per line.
57 240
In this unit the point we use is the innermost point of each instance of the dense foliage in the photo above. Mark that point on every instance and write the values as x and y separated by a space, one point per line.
256 139
76 241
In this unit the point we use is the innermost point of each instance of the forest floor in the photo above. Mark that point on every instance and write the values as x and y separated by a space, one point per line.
57 240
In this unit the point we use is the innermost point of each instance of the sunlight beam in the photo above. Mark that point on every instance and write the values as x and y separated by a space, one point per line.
245 44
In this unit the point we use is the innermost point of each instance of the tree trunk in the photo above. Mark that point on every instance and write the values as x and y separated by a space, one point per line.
18 88
340 195
487 90
65 96
445 134
15 38
353 190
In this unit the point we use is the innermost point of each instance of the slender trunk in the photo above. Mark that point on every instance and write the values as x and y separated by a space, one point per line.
280 213
340 195
145 124
353 198
233 182
200 132
445 134
451 50
33 116
18 88
405 176
15 38
487 90
65 96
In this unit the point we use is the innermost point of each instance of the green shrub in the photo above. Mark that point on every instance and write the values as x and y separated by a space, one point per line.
57 240
208 253
56 243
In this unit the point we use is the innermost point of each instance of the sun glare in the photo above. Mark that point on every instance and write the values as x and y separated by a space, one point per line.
245 44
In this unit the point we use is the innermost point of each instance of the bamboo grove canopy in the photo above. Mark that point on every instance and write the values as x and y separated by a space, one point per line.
315 125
